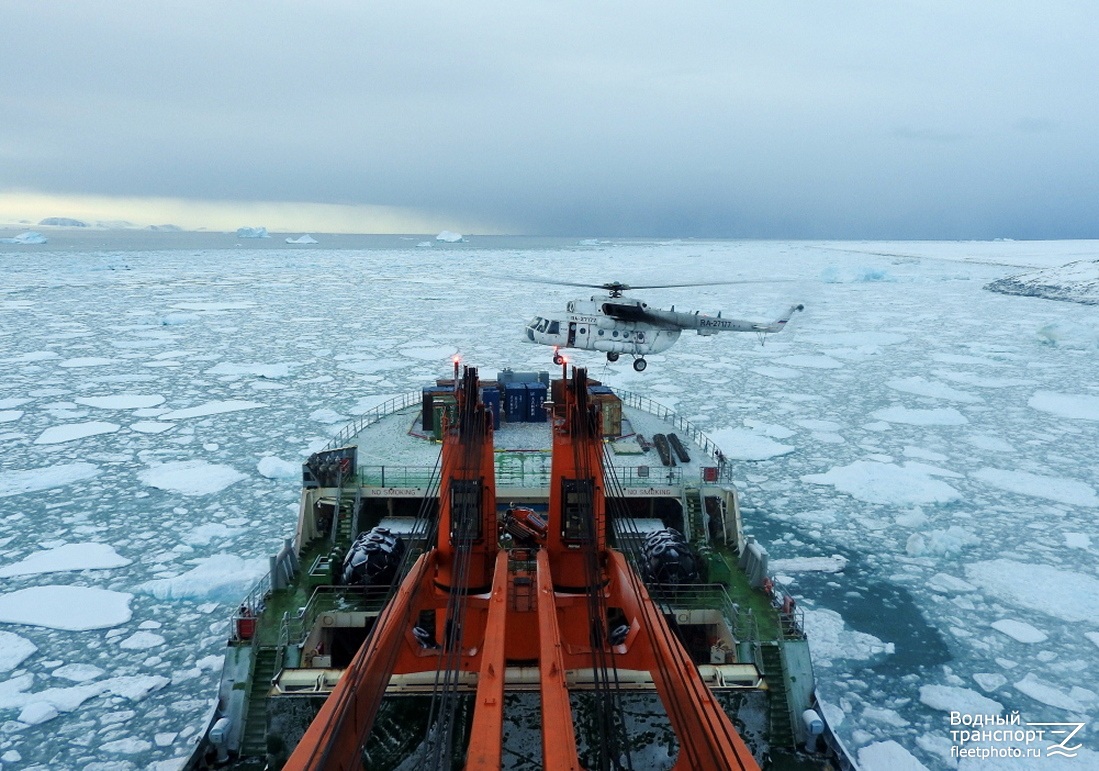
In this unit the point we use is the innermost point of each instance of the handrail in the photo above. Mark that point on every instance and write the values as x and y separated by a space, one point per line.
643 403
388 407
708 445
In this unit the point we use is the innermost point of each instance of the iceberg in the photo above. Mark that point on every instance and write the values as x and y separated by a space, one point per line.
63 222
252 233
306 239
29 237
1076 282
450 237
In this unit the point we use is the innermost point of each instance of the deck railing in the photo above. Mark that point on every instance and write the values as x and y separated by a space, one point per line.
414 476
708 446
388 407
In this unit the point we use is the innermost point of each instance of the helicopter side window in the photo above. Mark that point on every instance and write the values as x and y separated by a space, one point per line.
555 327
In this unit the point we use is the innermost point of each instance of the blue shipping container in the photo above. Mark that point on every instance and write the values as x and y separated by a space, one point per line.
536 398
515 402
491 399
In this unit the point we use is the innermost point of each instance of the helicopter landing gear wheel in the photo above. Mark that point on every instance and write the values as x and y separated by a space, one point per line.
558 359
612 356
640 364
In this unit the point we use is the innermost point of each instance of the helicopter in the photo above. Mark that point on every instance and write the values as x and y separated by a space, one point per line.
618 325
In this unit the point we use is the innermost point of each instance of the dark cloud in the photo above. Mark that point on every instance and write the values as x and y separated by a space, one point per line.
927 119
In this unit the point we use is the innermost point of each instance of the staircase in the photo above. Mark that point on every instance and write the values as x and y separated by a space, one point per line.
344 516
695 523
253 742
782 730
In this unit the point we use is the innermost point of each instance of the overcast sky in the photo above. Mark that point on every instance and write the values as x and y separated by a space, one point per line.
811 119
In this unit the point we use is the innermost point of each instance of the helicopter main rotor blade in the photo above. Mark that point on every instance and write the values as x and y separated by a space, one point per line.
617 286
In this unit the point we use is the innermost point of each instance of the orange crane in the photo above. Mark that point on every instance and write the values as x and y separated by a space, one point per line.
489 610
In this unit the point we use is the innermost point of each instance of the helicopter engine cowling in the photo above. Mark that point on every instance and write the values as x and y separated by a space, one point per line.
373 559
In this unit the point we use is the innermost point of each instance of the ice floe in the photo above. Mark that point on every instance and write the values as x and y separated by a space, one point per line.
943 416
923 387
745 444
1064 594
279 370
72 608
1069 491
190 477
274 467
121 401
1019 630
15 649
888 756
886 483
833 564
1074 406
211 408
19 481
26 237
222 577
1050 694
832 639
952 698
72 556
70 432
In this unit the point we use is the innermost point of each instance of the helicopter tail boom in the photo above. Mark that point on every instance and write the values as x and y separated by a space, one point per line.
710 325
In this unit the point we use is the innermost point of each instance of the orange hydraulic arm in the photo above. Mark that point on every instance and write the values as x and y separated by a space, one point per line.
487 735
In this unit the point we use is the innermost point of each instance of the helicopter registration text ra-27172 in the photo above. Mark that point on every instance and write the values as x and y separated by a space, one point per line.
618 325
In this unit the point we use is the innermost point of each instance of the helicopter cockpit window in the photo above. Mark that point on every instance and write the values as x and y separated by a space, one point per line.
535 322
542 324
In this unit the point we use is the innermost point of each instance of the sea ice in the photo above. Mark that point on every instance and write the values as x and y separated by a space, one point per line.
87 361
943 416
1063 594
140 641
833 564
73 431
73 556
19 481
1048 694
78 673
888 756
72 608
449 237
247 232
273 467
989 681
26 237
304 239
922 387
150 427
279 370
744 444
1019 630
37 712
121 401
15 649
211 408
1069 491
833 640
885 483
952 698
220 577
10 416
190 477
1074 406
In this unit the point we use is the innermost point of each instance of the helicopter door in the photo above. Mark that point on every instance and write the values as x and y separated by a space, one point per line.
572 335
